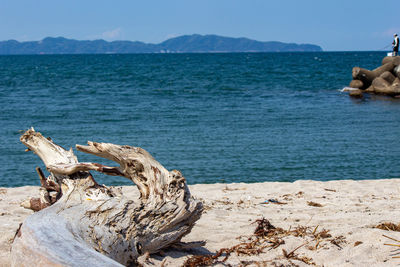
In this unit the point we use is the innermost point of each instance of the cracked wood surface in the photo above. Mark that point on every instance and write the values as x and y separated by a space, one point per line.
91 224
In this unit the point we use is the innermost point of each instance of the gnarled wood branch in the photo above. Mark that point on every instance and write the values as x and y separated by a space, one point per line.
90 224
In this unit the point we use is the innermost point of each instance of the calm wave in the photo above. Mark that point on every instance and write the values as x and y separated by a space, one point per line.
216 117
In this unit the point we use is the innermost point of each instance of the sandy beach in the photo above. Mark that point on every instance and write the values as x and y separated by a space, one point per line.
315 223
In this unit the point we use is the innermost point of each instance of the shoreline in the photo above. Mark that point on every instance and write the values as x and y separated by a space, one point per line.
346 209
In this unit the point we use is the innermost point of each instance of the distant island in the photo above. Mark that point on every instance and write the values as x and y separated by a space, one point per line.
183 44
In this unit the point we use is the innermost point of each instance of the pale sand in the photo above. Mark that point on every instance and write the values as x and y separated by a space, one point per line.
349 209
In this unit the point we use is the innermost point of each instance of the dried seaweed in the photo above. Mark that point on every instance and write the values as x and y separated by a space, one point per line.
224 202
299 194
393 245
267 236
314 204
388 226
330 190
232 189
250 248
291 255
254 246
337 241
264 227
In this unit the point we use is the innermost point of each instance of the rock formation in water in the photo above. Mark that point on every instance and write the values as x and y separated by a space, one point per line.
384 80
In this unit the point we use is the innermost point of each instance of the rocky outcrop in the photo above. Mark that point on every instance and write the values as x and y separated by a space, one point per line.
384 80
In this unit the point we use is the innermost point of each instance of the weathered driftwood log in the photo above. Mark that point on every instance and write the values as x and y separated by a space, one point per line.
93 225
367 76
49 193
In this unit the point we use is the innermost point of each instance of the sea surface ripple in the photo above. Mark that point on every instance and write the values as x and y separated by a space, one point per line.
244 117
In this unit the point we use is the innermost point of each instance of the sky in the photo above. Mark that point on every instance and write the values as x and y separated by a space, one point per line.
335 25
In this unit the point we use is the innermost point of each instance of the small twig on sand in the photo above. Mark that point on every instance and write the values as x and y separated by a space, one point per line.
391 238
291 254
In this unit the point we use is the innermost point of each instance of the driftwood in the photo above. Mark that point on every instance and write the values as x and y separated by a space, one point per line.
382 80
87 224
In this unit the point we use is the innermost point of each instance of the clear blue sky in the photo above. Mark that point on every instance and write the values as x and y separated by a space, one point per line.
335 25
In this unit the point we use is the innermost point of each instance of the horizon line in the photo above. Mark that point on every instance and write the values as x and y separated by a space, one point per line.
121 40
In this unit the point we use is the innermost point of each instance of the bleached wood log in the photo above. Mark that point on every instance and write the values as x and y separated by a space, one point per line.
93 225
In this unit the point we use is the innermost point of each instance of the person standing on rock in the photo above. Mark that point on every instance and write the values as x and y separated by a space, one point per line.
395 45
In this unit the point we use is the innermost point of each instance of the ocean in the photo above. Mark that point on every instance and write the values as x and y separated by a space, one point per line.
218 118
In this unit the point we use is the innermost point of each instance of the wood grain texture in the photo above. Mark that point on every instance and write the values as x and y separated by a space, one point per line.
94 225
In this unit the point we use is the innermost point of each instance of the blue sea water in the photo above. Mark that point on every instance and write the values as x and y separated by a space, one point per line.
244 117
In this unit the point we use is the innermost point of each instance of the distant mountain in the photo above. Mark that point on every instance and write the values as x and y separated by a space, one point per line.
215 43
183 44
